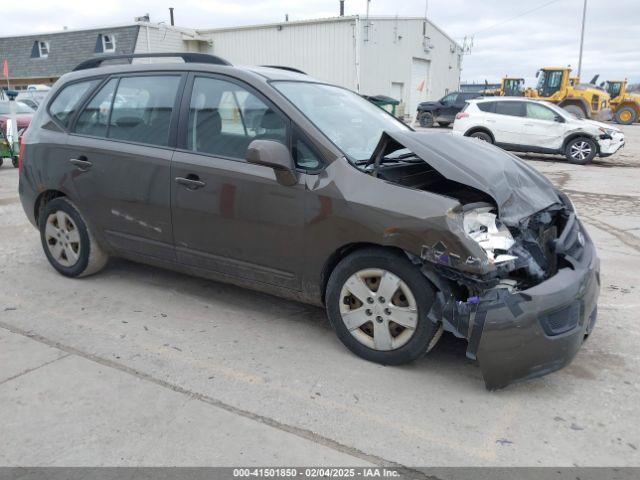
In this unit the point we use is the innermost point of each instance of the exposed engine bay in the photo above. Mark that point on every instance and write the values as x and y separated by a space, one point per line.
521 247
522 254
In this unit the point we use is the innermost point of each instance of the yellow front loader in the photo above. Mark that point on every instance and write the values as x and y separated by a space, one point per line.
584 100
625 105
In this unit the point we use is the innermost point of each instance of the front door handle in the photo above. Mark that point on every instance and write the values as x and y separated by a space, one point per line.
81 162
192 182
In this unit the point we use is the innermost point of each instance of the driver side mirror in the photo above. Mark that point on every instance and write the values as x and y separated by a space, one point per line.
275 155
537 73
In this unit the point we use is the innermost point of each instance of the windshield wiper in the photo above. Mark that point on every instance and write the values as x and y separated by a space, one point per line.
390 159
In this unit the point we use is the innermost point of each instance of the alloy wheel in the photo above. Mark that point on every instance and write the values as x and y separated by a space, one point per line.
580 150
62 238
378 309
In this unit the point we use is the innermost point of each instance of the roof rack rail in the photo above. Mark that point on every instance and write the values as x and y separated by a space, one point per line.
289 69
187 57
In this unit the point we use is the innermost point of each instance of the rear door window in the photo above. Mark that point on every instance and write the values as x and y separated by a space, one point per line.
224 118
514 109
135 109
67 101
142 108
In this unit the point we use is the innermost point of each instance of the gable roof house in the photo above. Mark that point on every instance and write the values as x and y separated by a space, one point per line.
43 58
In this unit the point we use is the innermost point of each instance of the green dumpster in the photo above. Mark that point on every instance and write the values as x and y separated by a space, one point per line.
388 103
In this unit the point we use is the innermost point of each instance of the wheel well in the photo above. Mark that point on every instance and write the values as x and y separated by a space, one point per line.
43 199
343 252
473 130
632 105
578 103
573 136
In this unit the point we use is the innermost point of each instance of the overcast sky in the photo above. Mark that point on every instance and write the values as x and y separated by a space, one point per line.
502 45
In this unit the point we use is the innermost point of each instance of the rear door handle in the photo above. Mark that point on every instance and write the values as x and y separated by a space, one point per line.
82 163
192 182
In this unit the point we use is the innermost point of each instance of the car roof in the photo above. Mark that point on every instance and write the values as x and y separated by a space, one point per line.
267 73
504 99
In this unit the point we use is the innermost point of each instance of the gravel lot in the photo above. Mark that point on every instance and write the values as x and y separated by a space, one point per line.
140 366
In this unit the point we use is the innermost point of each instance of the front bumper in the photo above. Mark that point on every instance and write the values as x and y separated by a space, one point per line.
609 146
526 334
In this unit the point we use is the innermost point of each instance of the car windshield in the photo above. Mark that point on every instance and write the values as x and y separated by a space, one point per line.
20 108
352 123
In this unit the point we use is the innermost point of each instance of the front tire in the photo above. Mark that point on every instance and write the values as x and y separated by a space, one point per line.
626 116
67 241
14 162
581 150
426 120
485 137
377 302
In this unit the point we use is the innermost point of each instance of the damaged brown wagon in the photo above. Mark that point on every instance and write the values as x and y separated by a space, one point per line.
266 178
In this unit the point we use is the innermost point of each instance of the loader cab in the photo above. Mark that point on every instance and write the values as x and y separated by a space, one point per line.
551 81
614 88
513 87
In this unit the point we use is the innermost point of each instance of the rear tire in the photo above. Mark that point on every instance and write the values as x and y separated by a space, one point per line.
484 136
576 110
67 241
626 116
389 289
581 150
1 161
426 120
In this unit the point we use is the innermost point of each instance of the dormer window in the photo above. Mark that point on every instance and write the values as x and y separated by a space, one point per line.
108 43
41 49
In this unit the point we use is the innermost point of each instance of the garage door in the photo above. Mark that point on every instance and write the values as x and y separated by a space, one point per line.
419 83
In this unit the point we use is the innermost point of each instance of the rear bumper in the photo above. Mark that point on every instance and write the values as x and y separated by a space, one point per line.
536 331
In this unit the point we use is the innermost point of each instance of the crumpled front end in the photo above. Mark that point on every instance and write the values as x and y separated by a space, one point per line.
517 275
530 315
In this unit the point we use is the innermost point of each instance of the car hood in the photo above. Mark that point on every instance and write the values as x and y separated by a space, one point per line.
429 104
518 189
595 124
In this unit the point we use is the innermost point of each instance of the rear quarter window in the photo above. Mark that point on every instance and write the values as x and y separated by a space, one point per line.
67 101
489 107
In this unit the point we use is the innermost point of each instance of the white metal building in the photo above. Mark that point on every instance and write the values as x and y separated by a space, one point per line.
407 58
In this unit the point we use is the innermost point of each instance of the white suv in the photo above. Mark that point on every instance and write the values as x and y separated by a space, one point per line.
526 125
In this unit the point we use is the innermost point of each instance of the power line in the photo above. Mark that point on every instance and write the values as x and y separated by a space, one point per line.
516 17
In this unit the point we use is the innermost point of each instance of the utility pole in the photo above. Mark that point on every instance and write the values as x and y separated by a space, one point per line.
584 17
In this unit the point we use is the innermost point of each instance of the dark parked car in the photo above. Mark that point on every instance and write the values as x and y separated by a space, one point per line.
443 111
327 199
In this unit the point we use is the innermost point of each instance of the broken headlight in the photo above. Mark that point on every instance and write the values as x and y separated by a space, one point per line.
482 226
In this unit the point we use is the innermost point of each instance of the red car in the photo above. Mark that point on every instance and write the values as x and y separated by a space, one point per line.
24 114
